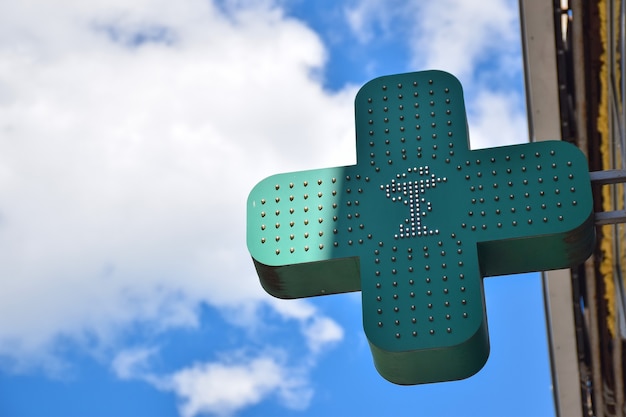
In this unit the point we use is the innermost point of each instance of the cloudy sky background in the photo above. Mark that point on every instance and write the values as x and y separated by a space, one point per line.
130 135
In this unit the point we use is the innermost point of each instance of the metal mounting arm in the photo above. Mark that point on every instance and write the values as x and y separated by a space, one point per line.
612 176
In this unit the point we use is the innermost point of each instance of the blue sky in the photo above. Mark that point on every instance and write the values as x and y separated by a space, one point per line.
130 136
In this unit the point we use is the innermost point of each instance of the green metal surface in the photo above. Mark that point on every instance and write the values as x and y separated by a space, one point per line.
418 222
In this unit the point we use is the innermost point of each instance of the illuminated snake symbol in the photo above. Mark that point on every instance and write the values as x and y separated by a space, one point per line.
410 192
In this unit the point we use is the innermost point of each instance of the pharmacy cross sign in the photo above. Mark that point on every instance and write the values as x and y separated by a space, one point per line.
418 222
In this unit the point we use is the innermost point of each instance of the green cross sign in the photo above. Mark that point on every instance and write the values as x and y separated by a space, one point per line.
418 222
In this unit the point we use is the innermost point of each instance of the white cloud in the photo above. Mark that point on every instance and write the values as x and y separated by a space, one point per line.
131 134
456 35
299 309
496 120
133 363
223 388
366 18
237 380
322 332
478 42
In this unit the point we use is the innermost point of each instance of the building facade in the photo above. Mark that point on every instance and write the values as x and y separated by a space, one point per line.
574 52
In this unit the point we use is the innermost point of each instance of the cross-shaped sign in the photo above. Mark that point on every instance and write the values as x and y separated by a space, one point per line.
418 222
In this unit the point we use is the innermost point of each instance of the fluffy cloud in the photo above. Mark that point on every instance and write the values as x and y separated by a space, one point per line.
459 36
497 120
321 332
370 18
131 134
478 42
238 379
223 388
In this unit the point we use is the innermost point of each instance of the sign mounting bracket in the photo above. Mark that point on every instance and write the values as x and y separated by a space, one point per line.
609 177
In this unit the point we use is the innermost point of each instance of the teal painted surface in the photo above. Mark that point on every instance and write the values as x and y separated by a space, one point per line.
418 222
